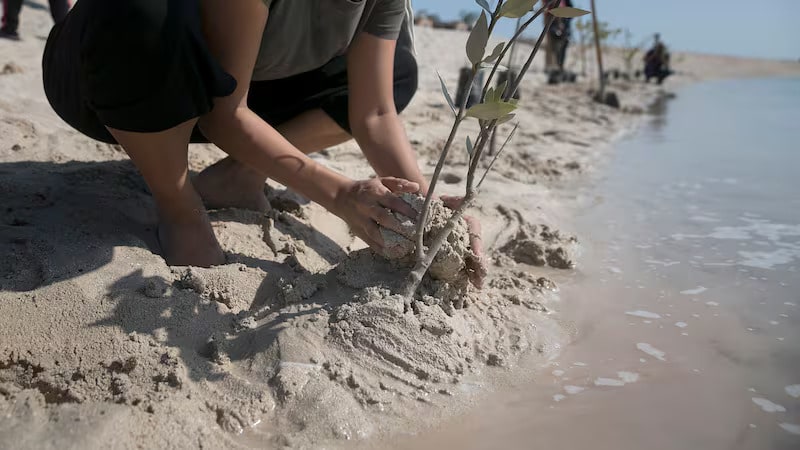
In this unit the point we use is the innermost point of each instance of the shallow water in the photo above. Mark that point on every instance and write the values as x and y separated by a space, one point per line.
687 304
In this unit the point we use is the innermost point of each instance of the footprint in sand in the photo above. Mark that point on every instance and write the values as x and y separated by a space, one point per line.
451 178
11 69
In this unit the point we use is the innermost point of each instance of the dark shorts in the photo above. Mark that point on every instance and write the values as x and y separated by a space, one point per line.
143 66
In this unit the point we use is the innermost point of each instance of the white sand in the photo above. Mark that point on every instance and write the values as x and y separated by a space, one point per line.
298 339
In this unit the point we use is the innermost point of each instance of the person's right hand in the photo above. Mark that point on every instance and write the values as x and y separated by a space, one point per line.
367 203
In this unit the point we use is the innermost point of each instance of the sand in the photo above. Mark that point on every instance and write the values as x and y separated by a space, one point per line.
300 339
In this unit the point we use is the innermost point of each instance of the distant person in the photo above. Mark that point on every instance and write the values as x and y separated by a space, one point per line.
560 31
656 62
12 8
557 42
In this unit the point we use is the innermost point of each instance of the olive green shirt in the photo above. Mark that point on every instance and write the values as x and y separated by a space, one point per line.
303 35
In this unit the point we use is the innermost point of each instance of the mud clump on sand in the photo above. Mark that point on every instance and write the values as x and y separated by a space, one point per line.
451 262
539 245
380 330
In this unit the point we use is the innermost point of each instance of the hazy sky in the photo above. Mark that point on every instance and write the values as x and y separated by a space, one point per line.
766 29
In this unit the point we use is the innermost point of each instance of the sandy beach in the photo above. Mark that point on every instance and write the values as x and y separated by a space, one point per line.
298 340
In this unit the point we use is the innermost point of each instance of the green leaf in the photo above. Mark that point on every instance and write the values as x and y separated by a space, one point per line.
568 12
490 111
446 94
476 43
490 95
497 155
500 68
498 49
470 147
517 8
501 90
505 119
485 5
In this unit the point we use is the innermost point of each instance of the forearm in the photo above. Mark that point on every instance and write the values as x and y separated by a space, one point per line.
384 143
250 140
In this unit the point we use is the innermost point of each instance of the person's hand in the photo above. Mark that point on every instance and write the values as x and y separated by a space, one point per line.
367 203
476 266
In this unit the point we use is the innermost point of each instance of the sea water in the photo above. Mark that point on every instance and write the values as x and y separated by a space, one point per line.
687 301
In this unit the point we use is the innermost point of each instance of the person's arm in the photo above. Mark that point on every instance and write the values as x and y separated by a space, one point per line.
233 31
373 116
379 131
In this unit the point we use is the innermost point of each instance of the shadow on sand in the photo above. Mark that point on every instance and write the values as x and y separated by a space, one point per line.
63 221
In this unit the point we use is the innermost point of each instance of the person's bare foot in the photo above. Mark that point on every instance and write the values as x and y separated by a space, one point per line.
190 244
231 184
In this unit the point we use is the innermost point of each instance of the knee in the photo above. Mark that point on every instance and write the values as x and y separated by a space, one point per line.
406 79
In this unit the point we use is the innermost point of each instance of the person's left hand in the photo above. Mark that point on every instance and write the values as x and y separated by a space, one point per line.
476 265
366 205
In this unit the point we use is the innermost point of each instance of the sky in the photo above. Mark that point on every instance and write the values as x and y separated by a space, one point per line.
766 29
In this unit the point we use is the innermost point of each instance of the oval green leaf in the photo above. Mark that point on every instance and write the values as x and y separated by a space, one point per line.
476 43
517 8
470 147
498 49
490 111
489 98
500 67
485 5
446 94
505 119
501 89
567 12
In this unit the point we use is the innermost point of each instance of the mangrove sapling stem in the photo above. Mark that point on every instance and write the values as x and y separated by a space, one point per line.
599 52
510 91
513 88
492 142
423 215
513 44
491 163
476 154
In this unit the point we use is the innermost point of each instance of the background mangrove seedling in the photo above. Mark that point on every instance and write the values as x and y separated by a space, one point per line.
630 50
585 37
